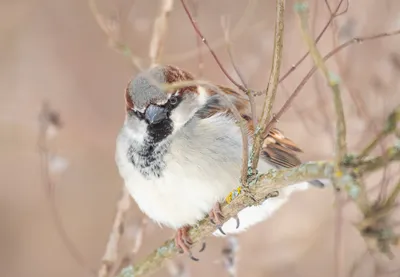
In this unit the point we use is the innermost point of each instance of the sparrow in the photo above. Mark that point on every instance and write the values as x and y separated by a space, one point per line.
179 153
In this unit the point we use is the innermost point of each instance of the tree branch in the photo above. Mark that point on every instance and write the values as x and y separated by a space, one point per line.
310 73
332 79
262 129
262 188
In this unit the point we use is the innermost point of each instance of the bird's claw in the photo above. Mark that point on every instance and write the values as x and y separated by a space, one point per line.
203 247
183 242
216 217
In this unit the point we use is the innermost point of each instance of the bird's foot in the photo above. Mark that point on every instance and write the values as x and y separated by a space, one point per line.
183 242
216 217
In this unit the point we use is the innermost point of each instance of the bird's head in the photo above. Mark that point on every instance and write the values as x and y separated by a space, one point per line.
155 112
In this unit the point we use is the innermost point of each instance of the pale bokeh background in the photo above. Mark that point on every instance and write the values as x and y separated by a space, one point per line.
55 51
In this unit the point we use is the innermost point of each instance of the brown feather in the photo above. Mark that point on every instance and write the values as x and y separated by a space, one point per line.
276 149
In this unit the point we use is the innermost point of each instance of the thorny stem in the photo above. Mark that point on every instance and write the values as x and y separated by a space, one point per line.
261 129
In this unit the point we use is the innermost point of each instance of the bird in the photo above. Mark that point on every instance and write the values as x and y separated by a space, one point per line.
179 152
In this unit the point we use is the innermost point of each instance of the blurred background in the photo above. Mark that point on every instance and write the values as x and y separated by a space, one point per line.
55 51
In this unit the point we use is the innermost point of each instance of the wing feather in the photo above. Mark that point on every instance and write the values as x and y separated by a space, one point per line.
276 149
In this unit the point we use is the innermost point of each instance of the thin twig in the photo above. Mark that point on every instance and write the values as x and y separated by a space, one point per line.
341 146
326 57
273 81
225 27
159 32
335 14
245 151
241 26
393 196
47 119
205 41
111 255
112 31
337 249
200 61
389 128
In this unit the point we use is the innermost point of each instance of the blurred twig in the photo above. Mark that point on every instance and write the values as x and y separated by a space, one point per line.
229 255
112 31
389 128
111 255
159 32
48 119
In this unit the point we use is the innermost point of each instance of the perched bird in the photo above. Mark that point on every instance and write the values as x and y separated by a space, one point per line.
180 152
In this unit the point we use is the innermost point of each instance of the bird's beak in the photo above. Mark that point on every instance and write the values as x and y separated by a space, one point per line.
155 114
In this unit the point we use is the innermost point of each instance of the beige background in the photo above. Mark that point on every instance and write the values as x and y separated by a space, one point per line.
54 50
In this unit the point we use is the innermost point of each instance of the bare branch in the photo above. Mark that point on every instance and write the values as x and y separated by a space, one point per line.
262 128
159 32
49 118
204 40
326 57
332 79
200 61
112 31
111 254
334 14
250 94
390 127
264 185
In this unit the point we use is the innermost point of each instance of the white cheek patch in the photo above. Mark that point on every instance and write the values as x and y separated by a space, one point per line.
188 107
182 114
136 130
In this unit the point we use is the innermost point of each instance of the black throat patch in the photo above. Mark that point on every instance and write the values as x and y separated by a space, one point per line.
149 159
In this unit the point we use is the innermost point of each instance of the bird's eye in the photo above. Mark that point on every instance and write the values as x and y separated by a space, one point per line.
173 100
139 114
